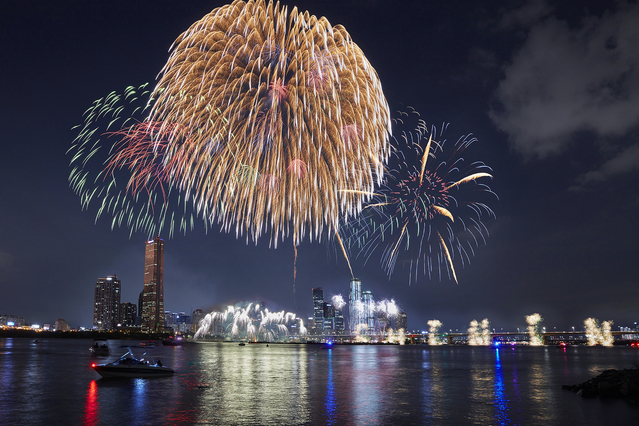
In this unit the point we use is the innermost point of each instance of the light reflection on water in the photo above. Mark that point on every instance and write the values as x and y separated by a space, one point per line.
223 383
330 392
500 399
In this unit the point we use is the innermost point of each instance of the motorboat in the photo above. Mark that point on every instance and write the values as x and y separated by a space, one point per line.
173 341
130 367
99 347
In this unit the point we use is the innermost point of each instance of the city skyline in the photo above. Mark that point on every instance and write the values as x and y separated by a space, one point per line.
563 159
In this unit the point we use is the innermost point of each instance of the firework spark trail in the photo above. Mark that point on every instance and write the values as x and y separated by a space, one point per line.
597 335
260 122
432 332
429 208
292 97
533 322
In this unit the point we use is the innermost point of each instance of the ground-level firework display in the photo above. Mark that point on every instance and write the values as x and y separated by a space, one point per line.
253 323
598 335
263 122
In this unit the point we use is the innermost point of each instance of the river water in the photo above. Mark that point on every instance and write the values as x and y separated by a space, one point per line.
51 383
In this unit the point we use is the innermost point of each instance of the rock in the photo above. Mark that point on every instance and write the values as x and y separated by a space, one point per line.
611 384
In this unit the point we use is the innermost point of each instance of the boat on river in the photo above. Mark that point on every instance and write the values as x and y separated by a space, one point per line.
173 341
99 347
130 367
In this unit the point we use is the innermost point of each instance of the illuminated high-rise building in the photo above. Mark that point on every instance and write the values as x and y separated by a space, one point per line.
106 303
354 304
196 316
318 308
153 293
339 320
401 322
329 317
368 304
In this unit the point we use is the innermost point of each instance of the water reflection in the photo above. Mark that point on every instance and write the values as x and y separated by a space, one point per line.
500 400
253 384
92 406
303 384
139 395
330 392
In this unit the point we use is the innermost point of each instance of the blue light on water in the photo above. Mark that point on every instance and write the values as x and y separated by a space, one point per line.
329 401
500 398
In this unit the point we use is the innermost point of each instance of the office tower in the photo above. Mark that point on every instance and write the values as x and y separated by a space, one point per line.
339 320
138 318
354 304
369 310
169 319
196 316
318 308
153 297
329 317
128 312
106 303
401 322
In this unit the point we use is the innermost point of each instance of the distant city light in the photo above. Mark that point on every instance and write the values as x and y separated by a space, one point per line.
10 323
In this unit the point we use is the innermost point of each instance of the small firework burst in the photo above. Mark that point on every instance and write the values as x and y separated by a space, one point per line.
429 209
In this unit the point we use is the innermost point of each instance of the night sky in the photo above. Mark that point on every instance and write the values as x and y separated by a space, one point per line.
551 91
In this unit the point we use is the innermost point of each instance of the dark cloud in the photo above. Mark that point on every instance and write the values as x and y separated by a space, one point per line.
565 80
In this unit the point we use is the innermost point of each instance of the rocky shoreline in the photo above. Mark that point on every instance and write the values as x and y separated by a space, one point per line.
611 384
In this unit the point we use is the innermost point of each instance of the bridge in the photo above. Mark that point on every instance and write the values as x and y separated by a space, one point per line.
547 337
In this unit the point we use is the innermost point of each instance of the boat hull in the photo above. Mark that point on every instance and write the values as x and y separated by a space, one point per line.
132 371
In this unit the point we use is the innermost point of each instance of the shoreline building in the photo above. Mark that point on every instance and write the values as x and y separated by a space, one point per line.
318 309
339 320
401 322
368 317
153 293
106 303
329 318
354 299
128 313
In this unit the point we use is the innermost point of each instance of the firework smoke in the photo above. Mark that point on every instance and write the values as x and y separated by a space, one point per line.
598 335
477 336
432 332
533 321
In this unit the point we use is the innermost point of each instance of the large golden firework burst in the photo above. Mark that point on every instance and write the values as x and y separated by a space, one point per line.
283 122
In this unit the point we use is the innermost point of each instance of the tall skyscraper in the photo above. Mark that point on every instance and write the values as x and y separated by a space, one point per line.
153 297
106 303
354 304
318 308
369 311
339 320
329 317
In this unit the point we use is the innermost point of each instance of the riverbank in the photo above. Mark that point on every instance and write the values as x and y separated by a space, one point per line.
86 334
